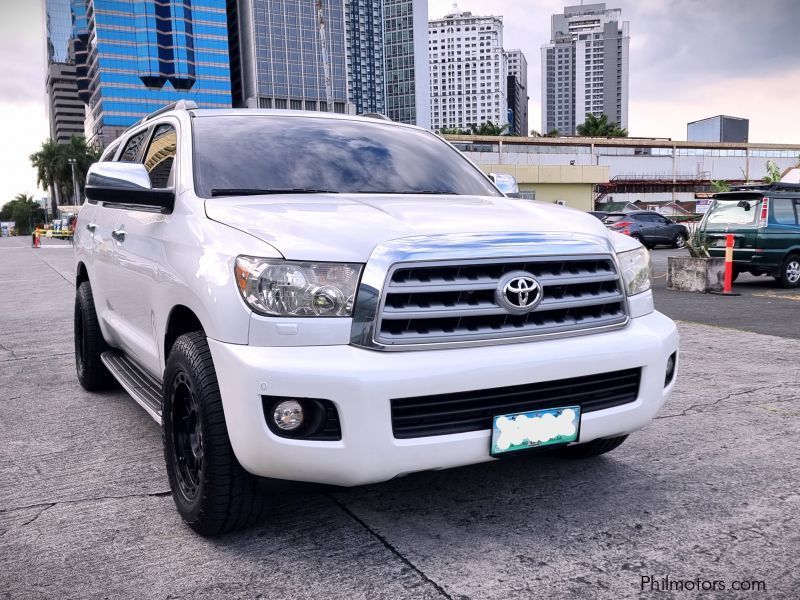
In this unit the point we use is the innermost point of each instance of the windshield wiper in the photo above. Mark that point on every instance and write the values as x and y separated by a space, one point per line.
411 192
216 192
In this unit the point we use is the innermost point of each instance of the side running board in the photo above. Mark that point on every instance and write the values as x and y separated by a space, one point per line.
142 386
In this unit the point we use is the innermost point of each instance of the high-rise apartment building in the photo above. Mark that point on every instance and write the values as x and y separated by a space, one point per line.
517 92
467 70
585 68
408 93
139 56
65 109
366 83
278 58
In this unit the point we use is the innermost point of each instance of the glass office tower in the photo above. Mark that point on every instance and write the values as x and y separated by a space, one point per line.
142 55
405 30
65 108
277 54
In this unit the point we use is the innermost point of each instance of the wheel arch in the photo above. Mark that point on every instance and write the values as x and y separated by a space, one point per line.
81 274
181 320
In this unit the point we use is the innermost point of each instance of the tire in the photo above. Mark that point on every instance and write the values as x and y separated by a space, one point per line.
211 490
89 343
679 241
789 275
591 449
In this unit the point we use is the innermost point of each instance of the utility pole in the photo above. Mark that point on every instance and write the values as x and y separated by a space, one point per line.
72 162
325 65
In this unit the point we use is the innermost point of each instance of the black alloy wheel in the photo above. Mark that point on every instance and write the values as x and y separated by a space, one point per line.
187 437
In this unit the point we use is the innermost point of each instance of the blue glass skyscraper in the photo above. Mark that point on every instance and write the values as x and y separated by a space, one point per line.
142 54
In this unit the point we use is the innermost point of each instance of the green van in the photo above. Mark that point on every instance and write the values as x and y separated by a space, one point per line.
765 221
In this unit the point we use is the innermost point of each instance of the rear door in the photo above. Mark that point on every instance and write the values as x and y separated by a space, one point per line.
105 222
736 213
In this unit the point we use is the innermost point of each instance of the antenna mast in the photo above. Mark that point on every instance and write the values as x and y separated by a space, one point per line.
325 64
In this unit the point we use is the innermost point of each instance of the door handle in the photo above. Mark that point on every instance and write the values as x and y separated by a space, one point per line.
119 235
91 227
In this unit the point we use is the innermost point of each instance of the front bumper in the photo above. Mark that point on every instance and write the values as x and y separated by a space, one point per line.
361 383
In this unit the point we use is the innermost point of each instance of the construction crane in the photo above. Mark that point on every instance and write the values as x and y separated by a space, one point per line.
325 63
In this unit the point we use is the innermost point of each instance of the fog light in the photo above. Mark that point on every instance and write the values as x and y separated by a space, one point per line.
670 369
288 415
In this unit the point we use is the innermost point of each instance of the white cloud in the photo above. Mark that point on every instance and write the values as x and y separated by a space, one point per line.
23 117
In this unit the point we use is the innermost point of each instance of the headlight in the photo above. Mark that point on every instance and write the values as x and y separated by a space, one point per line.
635 267
281 288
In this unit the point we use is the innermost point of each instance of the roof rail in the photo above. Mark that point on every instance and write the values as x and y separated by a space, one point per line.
777 186
379 116
179 105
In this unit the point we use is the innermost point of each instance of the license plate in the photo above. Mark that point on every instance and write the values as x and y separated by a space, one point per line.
534 429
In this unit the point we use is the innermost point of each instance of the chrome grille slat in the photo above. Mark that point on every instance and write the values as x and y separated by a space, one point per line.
439 310
453 301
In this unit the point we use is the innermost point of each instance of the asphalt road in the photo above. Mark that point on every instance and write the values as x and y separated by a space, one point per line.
709 490
763 306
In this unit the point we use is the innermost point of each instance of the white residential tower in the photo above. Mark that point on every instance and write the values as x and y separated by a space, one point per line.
585 68
467 70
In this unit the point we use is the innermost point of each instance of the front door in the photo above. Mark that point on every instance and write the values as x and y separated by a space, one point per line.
140 252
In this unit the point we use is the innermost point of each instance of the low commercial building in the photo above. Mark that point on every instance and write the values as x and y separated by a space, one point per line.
645 171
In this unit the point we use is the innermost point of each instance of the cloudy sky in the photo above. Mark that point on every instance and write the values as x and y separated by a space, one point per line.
690 59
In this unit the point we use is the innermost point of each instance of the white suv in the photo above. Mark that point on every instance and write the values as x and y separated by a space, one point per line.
345 300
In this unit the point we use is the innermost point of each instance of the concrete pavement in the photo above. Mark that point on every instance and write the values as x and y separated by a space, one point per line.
709 491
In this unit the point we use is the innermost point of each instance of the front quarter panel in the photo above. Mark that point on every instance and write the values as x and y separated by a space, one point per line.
197 272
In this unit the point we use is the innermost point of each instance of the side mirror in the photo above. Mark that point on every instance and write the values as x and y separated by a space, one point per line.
126 183
505 183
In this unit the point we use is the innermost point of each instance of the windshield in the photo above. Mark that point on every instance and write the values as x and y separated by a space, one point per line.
291 154
733 212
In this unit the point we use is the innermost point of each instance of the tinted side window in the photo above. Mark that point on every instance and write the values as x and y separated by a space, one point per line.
109 153
783 211
132 148
161 155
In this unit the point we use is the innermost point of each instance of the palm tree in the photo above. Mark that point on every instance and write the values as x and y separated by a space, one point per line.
84 155
47 163
595 126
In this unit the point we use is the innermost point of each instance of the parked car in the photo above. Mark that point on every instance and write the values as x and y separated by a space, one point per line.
599 214
343 300
648 227
765 222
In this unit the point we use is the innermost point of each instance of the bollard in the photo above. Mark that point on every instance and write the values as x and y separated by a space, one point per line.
728 283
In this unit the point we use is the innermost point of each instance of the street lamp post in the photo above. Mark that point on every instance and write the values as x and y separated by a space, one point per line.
72 162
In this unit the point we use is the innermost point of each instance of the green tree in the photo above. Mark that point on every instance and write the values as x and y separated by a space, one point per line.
720 186
773 173
84 155
595 126
54 172
47 163
452 131
24 211
488 128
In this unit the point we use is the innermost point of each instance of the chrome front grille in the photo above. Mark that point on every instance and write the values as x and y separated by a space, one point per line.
442 302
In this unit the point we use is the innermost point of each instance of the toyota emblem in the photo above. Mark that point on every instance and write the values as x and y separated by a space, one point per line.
519 292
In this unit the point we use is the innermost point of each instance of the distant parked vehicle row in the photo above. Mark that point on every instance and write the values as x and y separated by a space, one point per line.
649 227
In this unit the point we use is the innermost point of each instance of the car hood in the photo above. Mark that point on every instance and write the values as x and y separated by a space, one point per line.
347 227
